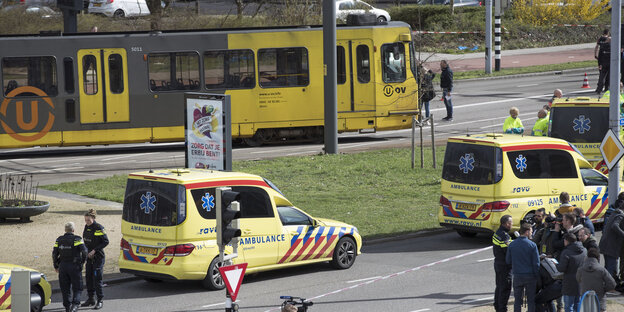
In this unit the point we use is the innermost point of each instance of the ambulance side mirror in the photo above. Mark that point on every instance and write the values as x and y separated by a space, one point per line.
314 223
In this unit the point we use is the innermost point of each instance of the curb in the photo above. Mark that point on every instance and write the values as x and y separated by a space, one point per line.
555 72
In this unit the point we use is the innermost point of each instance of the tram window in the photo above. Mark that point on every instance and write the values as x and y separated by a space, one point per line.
341 65
38 72
68 68
363 64
173 71
115 73
89 77
283 67
393 61
229 69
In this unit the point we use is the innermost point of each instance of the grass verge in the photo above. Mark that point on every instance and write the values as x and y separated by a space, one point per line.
376 191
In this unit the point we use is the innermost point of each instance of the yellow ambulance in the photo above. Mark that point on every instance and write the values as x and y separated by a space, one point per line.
169 229
42 289
490 175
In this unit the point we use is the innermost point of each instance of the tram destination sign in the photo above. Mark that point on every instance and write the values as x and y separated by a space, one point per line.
208 131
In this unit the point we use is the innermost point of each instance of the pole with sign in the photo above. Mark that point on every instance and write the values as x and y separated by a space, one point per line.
232 276
208 131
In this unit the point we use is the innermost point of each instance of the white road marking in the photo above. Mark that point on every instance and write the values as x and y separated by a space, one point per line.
527 85
477 300
89 174
421 310
364 283
456 107
126 156
484 260
364 279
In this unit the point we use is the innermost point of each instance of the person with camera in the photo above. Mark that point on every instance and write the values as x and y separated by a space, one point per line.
538 220
612 240
583 220
500 243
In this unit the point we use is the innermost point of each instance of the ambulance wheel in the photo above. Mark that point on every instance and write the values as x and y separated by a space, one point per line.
466 234
344 253
213 279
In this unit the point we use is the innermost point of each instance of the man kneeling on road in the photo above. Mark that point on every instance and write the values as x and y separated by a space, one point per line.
524 259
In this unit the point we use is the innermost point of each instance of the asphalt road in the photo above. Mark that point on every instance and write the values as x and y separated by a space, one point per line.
443 272
479 106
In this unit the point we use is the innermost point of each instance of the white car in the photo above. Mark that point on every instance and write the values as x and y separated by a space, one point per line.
346 7
119 8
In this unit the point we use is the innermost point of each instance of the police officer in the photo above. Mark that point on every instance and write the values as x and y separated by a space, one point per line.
500 242
68 255
95 238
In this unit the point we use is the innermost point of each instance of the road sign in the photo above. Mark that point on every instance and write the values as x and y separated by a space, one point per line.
611 149
233 277
621 121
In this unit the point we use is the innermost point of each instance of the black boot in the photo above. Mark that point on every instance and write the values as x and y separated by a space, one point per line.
88 303
74 307
98 305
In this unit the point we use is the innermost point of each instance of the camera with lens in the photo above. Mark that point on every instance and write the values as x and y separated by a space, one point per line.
528 219
297 302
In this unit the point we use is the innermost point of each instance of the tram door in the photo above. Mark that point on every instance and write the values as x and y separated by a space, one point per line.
103 82
356 89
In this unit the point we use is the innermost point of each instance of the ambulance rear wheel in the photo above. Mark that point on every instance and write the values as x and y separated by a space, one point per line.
213 279
344 253
466 234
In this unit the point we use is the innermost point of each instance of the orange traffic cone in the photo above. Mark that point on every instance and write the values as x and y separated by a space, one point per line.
585 83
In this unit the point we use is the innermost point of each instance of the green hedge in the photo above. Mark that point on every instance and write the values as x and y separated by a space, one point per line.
439 18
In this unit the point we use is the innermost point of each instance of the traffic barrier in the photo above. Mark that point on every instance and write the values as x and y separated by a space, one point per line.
585 83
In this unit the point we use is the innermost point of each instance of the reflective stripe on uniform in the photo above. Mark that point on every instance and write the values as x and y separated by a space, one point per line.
99 233
497 242
55 244
78 242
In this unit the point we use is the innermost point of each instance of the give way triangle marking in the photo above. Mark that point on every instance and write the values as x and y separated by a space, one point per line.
233 277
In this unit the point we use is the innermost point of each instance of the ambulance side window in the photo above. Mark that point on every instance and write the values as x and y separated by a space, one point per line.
255 202
205 202
292 216
592 178
561 164
527 164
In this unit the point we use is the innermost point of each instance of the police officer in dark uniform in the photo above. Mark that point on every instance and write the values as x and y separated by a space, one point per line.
68 255
95 239
500 242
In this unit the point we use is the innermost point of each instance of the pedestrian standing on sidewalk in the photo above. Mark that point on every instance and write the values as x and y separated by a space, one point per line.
428 93
604 61
68 256
95 240
541 125
446 83
524 259
593 276
611 240
571 258
513 124
500 243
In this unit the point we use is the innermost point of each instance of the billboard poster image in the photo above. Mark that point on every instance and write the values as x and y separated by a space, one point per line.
205 133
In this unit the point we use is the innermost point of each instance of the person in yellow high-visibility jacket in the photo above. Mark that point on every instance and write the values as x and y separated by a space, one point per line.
541 125
513 124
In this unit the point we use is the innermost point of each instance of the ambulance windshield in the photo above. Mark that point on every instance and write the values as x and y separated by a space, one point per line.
152 203
579 124
471 163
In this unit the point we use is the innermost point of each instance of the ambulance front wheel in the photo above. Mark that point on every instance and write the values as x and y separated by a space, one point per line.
344 253
213 280
466 234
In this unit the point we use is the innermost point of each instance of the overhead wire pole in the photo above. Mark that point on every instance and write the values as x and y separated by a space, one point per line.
488 36
614 99
497 34
329 59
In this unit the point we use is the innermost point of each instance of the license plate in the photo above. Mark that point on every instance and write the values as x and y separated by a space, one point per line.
464 206
97 4
147 250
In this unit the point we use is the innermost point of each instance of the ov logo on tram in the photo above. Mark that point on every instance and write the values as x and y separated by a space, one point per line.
13 105
389 90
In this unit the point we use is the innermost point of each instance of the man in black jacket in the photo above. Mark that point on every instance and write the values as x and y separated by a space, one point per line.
612 240
446 83
500 242
571 258
604 63
95 239
68 255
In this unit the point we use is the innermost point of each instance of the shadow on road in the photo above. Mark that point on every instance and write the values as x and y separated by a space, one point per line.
436 242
